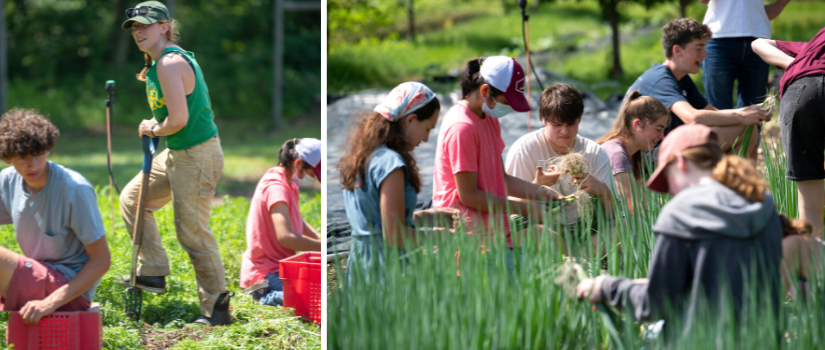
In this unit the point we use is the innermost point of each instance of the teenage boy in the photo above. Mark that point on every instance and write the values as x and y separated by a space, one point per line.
684 41
56 222
560 110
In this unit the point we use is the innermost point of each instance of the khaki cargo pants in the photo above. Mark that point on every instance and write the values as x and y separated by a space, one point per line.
187 178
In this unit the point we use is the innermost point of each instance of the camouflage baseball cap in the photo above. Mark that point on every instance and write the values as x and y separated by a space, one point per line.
147 12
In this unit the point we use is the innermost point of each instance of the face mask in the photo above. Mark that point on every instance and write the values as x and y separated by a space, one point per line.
498 111
306 181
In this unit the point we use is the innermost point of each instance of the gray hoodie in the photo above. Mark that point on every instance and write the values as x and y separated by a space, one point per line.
707 236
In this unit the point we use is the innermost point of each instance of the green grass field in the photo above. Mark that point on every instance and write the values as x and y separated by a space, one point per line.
248 152
162 322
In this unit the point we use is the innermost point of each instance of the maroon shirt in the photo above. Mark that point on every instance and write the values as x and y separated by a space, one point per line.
809 59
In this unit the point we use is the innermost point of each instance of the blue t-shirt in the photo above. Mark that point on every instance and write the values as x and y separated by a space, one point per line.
53 225
660 83
363 205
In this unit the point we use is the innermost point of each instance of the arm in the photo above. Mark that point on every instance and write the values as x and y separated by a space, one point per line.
435 217
393 220
171 71
92 271
709 116
310 231
470 195
591 184
625 188
773 10
705 2
284 233
771 54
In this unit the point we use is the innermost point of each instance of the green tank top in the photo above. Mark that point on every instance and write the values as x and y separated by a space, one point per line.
201 125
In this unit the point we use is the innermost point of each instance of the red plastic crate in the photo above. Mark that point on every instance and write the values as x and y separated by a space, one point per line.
301 275
74 330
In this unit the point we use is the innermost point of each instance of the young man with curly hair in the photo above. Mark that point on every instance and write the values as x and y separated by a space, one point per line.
56 222
684 41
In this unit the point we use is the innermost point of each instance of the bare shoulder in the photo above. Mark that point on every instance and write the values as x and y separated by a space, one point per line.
172 63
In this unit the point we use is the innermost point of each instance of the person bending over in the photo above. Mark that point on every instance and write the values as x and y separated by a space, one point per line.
275 229
720 220
469 172
380 177
802 90
56 222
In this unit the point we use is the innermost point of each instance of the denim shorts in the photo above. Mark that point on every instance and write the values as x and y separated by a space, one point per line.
802 119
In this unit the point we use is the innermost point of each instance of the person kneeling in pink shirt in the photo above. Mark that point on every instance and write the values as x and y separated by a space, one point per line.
274 227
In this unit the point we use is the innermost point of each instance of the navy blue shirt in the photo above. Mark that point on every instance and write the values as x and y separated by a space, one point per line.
660 83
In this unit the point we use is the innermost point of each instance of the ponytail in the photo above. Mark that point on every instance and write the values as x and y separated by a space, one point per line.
172 36
142 75
734 172
287 156
471 79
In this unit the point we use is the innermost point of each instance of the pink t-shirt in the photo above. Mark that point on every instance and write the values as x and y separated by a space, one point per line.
809 59
263 251
469 143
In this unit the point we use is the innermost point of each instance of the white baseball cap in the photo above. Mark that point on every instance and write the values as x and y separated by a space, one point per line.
505 74
310 151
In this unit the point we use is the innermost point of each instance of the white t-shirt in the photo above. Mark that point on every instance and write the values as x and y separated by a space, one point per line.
738 18
527 152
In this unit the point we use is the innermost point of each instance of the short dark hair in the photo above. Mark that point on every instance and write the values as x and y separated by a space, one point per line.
24 132
682 31
561 103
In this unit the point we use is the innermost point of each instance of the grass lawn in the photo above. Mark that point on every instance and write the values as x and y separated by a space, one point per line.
161 325
248 153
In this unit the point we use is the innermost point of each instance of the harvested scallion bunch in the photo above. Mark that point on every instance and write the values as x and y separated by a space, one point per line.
568 276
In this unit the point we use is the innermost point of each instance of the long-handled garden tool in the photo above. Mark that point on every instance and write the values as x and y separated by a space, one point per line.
110 87
134 303
525 34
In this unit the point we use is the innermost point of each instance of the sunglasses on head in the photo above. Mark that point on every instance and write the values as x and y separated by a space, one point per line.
141 11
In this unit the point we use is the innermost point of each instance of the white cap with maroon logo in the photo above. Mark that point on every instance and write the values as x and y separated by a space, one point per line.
505 74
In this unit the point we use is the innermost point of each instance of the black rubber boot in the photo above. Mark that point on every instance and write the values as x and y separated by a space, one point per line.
220 313
152 284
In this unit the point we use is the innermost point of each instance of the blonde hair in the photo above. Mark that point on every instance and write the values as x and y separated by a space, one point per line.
172 36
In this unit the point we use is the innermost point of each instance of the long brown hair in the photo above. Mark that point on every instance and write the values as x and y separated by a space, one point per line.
370 132
732 171
646 109
172 36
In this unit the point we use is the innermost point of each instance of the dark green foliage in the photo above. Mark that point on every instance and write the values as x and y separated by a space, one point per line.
62 52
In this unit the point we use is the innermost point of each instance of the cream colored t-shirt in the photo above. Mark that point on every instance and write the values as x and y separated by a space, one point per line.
527 152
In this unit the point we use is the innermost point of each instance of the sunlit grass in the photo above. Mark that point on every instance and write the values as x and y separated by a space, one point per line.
256 327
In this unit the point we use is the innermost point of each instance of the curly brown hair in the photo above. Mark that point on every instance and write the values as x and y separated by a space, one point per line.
372 131
682 31
24 132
